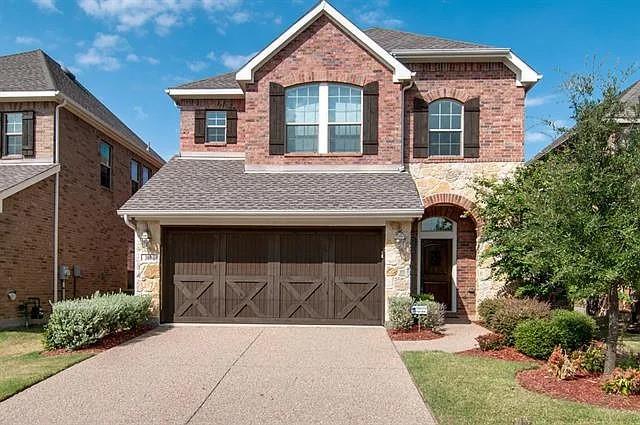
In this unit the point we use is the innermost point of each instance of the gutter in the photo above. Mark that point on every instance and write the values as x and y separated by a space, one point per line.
56 200
380 213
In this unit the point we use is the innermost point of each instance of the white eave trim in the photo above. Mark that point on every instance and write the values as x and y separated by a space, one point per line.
318 214
30 95
400 72
4 194
525 75
205 93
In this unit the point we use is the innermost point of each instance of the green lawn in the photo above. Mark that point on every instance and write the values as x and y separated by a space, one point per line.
632 342
22 365
469 390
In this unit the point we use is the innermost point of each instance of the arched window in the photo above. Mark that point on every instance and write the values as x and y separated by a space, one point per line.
323 118
445 127
436 224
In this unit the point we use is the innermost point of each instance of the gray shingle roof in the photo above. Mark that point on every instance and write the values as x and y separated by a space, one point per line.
391 40
222 185
222 81
36 71
14 174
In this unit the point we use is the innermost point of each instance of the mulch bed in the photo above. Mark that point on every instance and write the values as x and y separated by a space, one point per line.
583 389
105 343
506 353
413 334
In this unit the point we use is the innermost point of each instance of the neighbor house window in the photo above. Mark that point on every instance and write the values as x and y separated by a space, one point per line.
445 127
13 133
324 118
135 176
216 126
105 164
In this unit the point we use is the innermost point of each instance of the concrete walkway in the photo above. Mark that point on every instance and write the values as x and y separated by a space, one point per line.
231 375
458 337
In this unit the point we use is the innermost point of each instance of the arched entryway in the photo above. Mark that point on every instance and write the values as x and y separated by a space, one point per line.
446 257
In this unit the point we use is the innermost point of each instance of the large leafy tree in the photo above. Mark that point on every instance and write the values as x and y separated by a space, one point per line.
572 220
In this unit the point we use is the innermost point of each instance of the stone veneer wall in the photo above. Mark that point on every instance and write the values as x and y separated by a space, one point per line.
457 179
147 269
397 262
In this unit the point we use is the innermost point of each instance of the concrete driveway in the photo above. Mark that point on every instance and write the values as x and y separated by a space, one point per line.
231 375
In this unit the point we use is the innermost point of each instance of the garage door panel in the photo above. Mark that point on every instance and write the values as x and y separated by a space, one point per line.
196 296
249 296
303 298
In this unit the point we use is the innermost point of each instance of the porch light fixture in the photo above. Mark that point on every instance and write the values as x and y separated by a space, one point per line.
11 294
400 238
145 239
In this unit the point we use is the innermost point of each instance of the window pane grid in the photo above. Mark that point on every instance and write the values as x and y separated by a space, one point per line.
445 127
13 133
216 126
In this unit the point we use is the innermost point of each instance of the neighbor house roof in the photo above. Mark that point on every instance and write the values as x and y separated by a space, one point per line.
630 96
213 187
16 177
35 75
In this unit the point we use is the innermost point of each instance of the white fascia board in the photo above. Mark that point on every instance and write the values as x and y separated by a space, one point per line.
400 72
29 95
205 93
28 182
316 214
525 75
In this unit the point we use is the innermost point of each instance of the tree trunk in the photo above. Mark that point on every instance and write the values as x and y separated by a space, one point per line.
612 334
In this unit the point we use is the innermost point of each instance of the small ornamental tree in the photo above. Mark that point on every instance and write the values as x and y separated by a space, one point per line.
572 220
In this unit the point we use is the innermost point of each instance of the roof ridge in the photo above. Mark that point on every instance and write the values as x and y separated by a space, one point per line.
47 63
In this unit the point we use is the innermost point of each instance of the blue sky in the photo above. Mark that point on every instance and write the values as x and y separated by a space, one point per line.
128 51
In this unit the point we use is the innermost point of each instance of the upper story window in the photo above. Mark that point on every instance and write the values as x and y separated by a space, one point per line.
105 164
216 127
13 133
445 128
324 118
146 174
135 176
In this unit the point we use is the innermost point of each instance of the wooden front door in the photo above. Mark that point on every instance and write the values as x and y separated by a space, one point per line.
436 269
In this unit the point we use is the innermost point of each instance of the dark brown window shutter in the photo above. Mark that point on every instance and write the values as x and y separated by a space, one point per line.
276 119
28 134
370 94
200 125
472 128
232 126
420 128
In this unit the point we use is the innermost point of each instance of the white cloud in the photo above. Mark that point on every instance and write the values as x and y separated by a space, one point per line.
277 20
533 101
140 113
235 61
102 52
164 15
376 15
240 17
46 5
536 137
132 57
151 60
108 41
27 41
197 66
212 56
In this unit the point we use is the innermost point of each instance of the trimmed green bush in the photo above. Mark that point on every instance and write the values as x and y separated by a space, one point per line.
568 329
77 323
434 319
400 316
502 315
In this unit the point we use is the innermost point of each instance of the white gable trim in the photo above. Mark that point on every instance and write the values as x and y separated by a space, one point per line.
400 72
28 182
205 93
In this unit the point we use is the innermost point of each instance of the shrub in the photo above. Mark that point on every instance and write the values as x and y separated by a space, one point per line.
490 341
434 319
424 297
568 329
562 366
400 316
77 323
625 382
628 361
593 358
502 315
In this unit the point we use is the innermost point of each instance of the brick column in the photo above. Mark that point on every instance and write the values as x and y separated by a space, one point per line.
147 269
397 261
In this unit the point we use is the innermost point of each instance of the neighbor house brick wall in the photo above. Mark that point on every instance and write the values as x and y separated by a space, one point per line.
26 247
92 235
188 119
44 124
501 106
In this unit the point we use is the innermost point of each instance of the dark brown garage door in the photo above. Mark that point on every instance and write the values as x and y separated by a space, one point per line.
272 276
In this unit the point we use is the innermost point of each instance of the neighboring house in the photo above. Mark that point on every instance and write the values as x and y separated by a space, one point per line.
330 172
630 97
66 165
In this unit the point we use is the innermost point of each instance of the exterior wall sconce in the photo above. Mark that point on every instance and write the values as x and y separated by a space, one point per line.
145 238
400 239
11 294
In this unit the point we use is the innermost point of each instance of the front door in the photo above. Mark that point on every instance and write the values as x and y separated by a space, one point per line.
436 269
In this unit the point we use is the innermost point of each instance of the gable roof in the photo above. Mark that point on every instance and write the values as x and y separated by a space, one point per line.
35 75
392 40
192 186
16 177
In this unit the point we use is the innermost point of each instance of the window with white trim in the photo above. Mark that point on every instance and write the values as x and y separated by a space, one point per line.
105 165
436 224
216 126
445 128
324 118
13 133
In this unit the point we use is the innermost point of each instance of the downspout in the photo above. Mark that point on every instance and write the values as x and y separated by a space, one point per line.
128 222
402 123
56 200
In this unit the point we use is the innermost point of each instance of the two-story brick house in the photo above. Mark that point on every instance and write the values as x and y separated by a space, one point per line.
66 164
329 173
